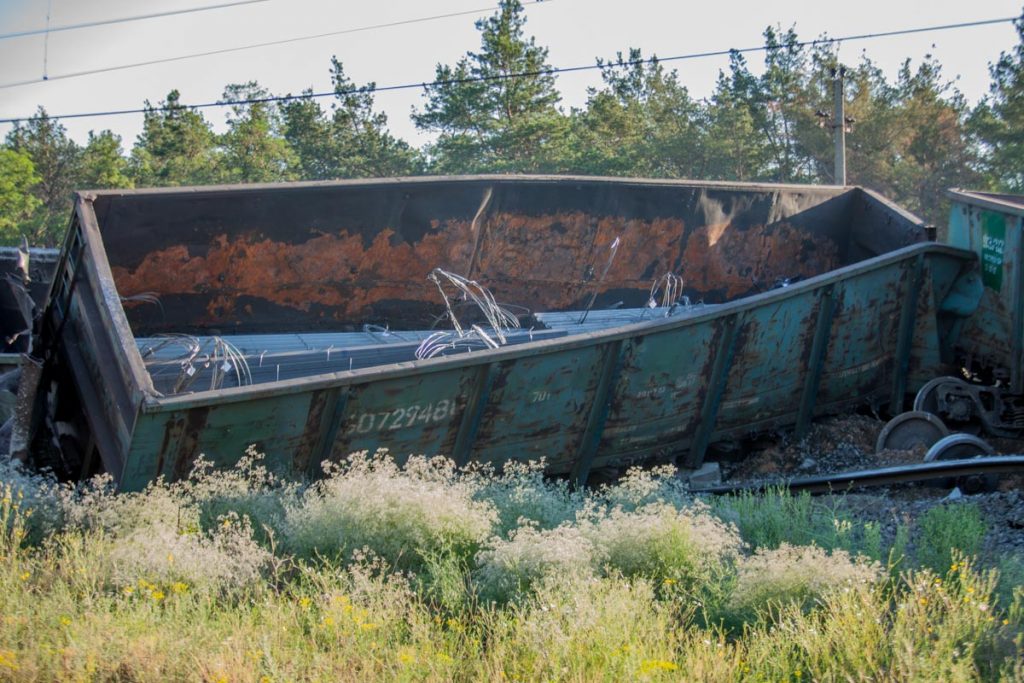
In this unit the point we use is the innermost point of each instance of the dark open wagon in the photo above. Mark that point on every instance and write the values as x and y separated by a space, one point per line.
591 322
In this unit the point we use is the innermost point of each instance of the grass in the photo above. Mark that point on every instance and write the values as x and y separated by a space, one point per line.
429 574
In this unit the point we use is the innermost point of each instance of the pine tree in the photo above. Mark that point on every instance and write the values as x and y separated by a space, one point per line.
55 158
496 110
998 120
352 141
177 147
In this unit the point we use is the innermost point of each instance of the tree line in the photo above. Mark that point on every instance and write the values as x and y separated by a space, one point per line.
913 135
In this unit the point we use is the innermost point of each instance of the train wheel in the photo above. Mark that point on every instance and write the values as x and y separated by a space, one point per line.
910 430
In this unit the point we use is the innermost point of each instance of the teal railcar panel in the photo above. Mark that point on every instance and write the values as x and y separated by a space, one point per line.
861 351
992 226
537 407
766 378
411 415
657 398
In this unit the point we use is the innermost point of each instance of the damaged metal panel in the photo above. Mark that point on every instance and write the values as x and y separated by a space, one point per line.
25 277
992 226
742 345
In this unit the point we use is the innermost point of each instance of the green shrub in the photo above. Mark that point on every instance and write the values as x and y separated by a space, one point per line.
509 569
399 513
522 496
792 575
684 548
640 487
945 529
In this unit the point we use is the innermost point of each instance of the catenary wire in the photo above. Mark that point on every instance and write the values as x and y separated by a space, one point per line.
254 46
122 20
525 74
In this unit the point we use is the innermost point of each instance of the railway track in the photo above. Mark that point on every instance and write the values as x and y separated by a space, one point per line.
971 470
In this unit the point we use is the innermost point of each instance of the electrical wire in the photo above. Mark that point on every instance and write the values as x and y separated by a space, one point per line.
122 20
254 46
524 74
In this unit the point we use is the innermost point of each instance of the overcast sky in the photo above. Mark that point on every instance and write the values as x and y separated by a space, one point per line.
575 31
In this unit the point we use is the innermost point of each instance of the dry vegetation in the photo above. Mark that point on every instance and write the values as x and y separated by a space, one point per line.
427 573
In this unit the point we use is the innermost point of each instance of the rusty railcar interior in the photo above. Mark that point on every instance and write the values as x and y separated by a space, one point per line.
589 321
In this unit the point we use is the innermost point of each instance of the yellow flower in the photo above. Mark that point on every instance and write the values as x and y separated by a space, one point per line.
170 558
970 590
24 576
179 587
328 621
65 621
1006 622
406 657
368 626
7 660
157 595
128 590
444 658
652 665
923 601
305 602
798 673
669 582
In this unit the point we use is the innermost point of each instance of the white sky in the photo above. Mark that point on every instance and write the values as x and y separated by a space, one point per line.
575 31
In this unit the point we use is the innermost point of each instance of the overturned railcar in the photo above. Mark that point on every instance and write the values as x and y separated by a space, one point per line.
591 322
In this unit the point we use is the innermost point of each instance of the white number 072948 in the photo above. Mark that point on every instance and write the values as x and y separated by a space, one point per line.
392 420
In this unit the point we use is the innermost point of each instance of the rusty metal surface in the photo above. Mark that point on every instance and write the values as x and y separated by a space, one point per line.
335 255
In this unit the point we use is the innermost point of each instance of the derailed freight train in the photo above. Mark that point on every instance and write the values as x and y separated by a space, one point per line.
592 322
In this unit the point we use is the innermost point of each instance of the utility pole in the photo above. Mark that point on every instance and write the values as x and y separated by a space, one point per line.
839 124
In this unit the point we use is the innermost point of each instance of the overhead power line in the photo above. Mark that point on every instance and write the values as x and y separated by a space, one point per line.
254 46
529 74
122 20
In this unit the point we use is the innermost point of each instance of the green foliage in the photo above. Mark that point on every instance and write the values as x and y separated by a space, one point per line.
253 149
171 584
103 164
177 146
487 120
400 515
998 120
779 105
945 530
522 495
776 517
641 123
352 141
55 158
17 203
789 576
